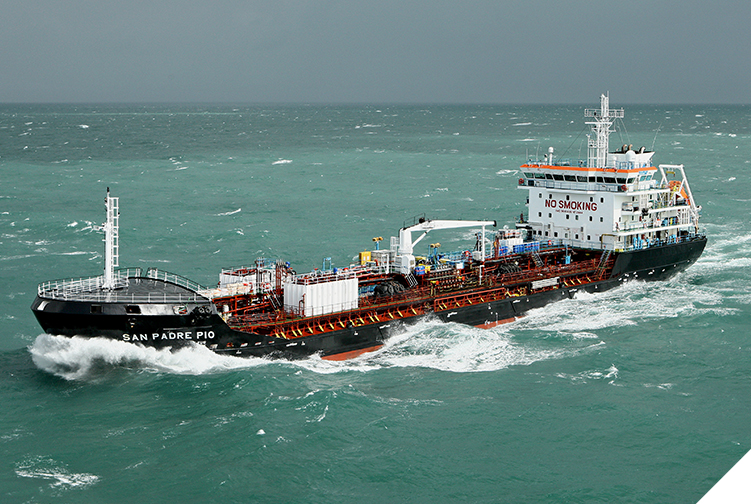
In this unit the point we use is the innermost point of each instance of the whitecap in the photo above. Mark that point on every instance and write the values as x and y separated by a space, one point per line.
229 213
83 126
45 468
282 161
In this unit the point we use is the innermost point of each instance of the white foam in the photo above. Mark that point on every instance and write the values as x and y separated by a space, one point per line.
282 161
79 358
44 468
229 213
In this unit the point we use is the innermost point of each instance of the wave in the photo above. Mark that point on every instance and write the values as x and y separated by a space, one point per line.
46 468
229 213
282 161
79 358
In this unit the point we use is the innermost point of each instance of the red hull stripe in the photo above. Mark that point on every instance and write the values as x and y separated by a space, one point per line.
488 325
351 354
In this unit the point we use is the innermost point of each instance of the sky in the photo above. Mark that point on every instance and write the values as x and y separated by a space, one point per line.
375 51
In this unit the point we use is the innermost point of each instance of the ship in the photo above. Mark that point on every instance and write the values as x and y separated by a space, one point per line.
591 225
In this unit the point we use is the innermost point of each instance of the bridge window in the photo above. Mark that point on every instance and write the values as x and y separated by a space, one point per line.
558 177
569 178
96 308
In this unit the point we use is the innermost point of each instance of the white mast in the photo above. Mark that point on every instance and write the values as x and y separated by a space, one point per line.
598 146
111 240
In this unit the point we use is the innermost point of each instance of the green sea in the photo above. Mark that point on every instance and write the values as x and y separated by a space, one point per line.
640 394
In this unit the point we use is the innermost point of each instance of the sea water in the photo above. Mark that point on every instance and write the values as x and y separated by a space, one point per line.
638 394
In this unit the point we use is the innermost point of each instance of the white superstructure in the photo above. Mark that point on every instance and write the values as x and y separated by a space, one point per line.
615 200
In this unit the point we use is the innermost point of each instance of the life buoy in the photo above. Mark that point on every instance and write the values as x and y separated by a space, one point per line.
624 188
521 181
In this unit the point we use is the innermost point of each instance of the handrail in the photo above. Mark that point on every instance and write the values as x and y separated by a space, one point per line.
91 289
174 278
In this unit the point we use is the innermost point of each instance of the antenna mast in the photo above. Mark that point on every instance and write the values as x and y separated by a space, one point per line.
111 240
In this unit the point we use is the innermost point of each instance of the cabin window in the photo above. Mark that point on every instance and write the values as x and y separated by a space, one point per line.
631 180
539 175
567 197
558 177
588 237
591 199
546 233
539 195
132 309
602 200
590 218
550 196
576 217
569 178
529 175
548 176
550 216
581 179
577 236
600 180
609 180
567 216
555 235
592 179
539 214
621 180
600 219
95 308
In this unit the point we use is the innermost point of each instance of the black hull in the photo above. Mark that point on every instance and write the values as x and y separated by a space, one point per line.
197 326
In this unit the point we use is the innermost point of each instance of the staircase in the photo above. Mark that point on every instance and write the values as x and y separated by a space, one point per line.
538 260
603 266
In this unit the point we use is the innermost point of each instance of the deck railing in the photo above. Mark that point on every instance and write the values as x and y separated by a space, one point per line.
90 289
